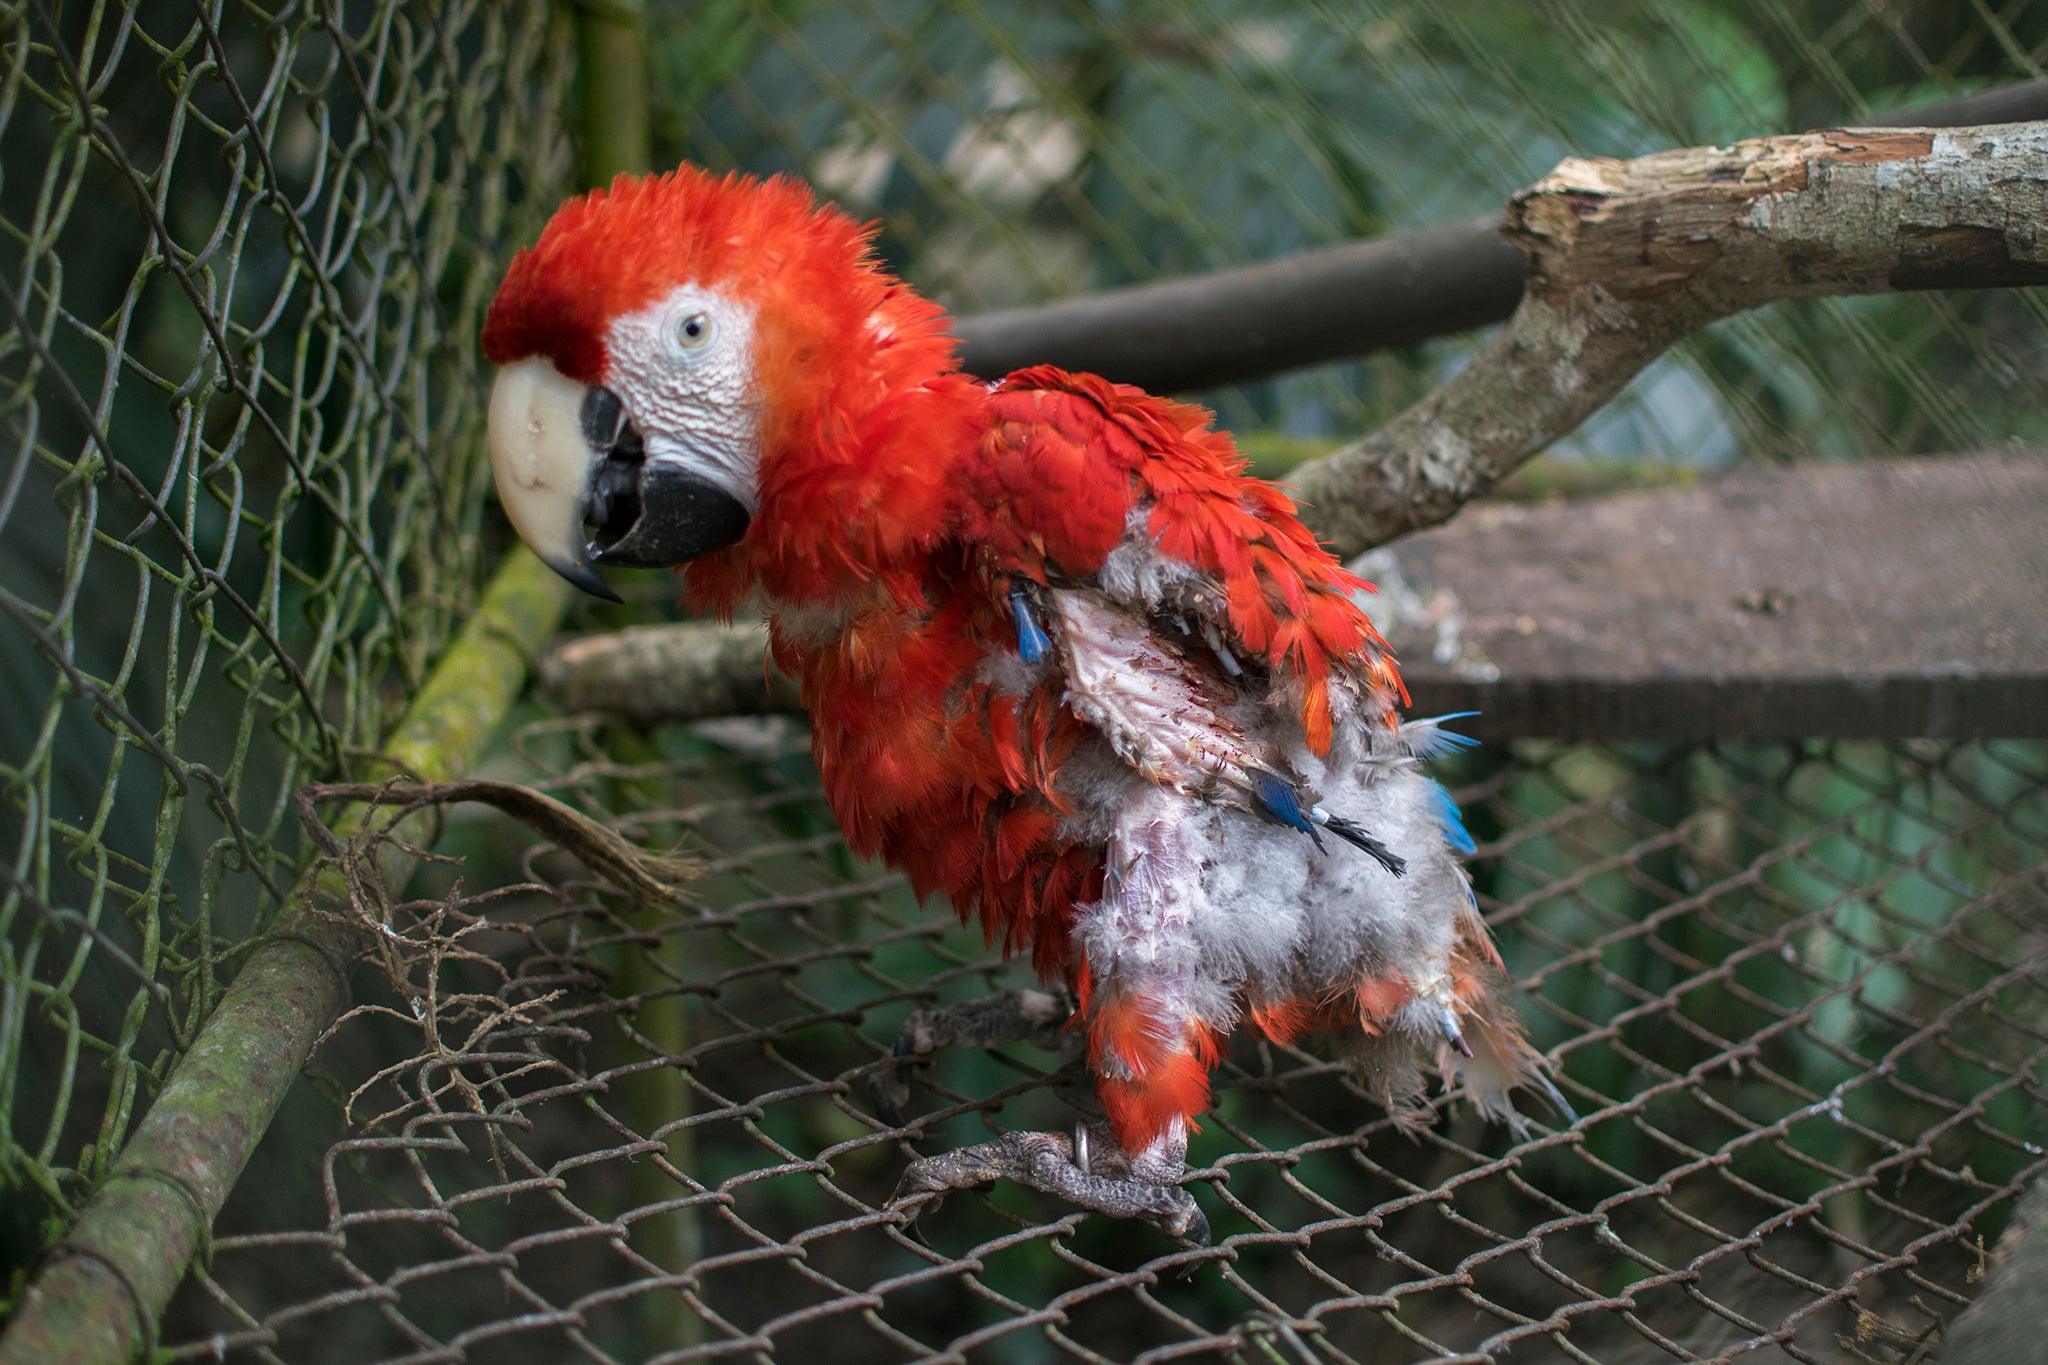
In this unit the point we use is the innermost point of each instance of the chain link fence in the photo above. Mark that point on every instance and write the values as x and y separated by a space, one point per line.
1795 991
243 255
1019 151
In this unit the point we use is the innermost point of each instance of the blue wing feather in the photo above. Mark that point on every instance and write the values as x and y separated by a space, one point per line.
1455 833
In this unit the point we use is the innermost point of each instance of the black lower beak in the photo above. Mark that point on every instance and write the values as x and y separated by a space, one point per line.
652 515
646 514
576 482
584 577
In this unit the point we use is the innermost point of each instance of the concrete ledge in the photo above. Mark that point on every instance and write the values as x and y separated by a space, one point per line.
1878 599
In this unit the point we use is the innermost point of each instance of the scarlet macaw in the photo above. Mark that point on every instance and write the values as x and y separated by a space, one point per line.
1065 661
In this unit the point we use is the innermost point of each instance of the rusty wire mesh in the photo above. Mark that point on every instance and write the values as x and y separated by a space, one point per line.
1799 995
1796 992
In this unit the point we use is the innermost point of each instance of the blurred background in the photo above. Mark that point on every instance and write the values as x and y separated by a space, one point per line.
1018 153
1795 989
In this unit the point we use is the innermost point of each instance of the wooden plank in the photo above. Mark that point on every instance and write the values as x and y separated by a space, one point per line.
1886 598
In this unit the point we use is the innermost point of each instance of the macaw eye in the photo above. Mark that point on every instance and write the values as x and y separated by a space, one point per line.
693 333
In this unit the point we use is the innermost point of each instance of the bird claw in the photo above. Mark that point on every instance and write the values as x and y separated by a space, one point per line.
1047 1162
889 1087
1447 1018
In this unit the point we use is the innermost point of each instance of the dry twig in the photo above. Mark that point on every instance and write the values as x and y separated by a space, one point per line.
421 947
655 878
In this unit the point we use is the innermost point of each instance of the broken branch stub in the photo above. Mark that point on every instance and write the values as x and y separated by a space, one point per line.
685 671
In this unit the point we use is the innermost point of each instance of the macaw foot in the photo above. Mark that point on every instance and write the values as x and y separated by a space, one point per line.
1010 1016
1089 1169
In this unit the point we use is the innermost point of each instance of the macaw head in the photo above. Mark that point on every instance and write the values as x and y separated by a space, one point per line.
667 349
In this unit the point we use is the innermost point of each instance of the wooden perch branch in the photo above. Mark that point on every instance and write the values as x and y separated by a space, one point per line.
1626 258
1329 304
643 673
1394 290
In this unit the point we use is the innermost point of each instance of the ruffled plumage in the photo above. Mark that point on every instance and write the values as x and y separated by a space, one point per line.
920 539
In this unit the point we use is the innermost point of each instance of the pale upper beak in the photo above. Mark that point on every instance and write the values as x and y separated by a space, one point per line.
574 479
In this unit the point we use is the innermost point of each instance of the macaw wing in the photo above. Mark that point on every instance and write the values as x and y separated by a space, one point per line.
1134 580
1183 603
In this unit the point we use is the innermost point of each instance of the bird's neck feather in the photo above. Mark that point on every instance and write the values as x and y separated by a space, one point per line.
860 483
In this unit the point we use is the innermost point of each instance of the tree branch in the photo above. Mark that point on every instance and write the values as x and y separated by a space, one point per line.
645 673
1625 259
1330 304
1628 257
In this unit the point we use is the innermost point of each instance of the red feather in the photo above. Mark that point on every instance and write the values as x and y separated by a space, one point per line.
937 772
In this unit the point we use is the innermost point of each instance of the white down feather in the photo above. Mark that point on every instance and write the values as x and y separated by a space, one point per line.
1251 907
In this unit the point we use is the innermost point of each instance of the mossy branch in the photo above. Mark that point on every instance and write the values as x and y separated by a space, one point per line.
647 674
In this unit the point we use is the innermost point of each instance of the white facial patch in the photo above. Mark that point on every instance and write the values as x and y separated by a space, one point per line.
684 367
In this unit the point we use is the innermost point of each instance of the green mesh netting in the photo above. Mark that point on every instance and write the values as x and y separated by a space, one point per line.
242 256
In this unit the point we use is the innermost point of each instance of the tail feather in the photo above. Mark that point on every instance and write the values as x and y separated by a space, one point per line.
1500 1058
1453 823
1390 1068
1426 738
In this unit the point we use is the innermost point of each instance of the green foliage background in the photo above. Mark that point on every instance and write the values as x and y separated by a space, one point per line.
1019 151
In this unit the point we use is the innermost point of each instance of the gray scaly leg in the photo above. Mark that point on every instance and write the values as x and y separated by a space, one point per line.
1088 1169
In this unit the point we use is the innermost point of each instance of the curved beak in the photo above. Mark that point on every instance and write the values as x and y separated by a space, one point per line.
543 466
574 479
